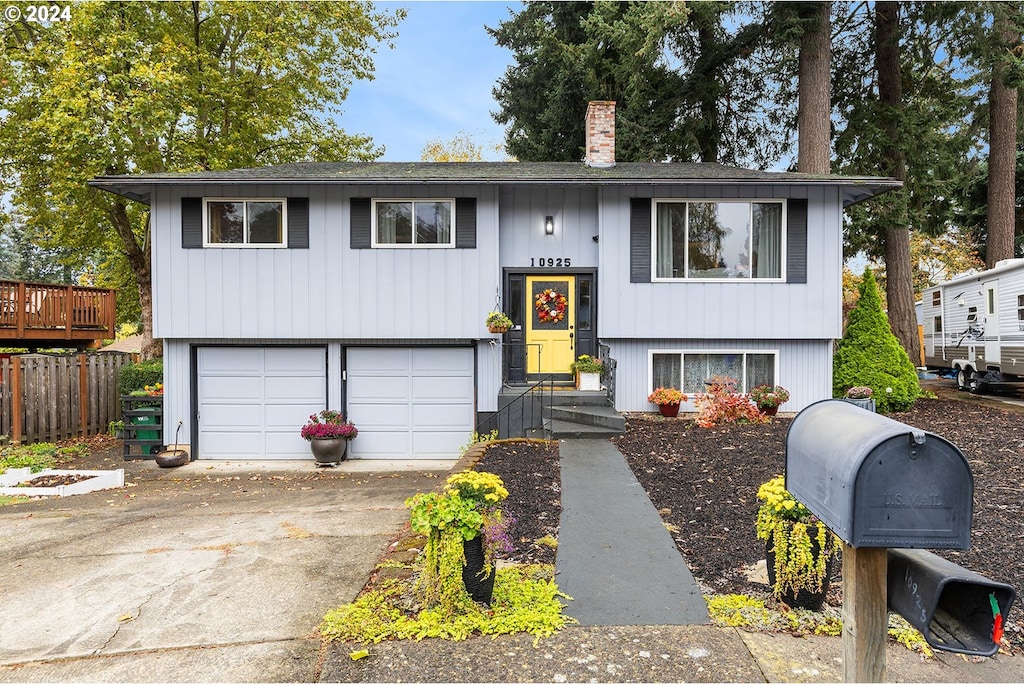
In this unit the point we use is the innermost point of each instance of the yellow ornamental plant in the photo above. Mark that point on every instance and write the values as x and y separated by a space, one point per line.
802 545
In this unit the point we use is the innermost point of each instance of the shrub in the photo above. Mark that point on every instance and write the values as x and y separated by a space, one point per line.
869 355
723 404
135 376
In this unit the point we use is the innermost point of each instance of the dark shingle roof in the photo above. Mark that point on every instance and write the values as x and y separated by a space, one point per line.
138 186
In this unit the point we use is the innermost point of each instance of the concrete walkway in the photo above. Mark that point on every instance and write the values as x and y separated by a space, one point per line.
615 557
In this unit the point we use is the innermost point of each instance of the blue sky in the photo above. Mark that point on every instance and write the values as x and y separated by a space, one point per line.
436 82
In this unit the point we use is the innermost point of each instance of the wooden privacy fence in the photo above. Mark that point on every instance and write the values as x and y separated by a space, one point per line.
50 398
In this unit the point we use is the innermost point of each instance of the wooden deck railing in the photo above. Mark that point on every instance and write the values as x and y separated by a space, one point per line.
36 314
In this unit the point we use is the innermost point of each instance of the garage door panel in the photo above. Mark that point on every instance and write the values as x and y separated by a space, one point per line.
235 390
386 389
381 444
284 445
438 444
374 416
231 416
217 444
441 388
442 362
292 361
378 362
430 417
229 360
294 390
278 417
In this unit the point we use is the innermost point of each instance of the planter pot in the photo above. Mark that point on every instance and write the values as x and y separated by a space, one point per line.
172 458
588 382
669 410
329 451
498 328
768 410
480 588
868 403
802 598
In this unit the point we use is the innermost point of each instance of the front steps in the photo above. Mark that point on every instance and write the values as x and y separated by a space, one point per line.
573 414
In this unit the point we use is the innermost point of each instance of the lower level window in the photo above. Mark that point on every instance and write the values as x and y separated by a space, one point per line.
687 371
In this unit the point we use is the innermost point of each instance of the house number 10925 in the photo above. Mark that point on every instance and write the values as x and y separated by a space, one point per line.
556 262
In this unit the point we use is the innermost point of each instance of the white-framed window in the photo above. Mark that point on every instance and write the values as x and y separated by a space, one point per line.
425 223
687 370
1020 307
936 298
244 222
937 324
719 240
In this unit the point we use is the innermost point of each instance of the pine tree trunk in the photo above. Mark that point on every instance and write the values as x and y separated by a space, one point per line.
1002 159
814 150
899 286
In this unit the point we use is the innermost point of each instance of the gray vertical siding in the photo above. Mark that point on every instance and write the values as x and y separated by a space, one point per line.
727 309
804 367
328 290
521 225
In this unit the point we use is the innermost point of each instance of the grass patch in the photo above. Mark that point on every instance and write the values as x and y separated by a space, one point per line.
526 599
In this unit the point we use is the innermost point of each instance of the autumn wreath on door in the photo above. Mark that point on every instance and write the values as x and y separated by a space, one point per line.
550 306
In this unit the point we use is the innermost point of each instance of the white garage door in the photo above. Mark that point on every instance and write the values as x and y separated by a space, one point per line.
410 402
254 400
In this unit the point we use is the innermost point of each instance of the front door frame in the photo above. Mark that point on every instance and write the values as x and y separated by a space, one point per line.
517 306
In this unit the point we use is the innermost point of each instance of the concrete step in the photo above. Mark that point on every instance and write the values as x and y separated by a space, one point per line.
599 416
563 429
578 398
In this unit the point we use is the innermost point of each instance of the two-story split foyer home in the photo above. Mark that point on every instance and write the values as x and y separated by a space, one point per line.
364 287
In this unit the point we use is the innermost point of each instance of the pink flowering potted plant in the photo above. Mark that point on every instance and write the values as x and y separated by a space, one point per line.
668 400
328 434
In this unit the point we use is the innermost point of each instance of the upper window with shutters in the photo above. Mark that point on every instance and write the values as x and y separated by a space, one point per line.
230 222
413 223
718 240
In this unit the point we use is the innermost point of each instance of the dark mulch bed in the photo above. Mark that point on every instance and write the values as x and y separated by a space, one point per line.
530 472
705 481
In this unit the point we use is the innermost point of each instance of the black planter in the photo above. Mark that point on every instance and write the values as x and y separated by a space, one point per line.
329 451
480 588
802 598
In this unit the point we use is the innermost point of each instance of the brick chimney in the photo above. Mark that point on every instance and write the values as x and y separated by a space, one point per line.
600 134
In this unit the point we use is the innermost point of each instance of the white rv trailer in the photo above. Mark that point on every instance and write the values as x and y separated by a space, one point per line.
974 326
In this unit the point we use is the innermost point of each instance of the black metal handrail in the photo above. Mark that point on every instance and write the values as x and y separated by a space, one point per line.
523 416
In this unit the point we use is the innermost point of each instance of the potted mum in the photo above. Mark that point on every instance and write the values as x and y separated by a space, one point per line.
768 398
668 400
861 396
800 550
498 322
328 434
588 372
465 527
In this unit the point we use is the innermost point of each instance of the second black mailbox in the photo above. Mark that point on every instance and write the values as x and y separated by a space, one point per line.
877 482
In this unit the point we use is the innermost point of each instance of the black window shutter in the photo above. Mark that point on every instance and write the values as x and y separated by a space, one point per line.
639 240
298 223
796 242
465 222
359 223
191 222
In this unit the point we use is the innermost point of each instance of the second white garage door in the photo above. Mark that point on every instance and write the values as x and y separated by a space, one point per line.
410 402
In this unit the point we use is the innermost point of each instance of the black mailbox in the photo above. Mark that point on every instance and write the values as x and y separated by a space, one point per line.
876 482
954 608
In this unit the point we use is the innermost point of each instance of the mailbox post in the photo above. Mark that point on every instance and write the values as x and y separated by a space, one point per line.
878 485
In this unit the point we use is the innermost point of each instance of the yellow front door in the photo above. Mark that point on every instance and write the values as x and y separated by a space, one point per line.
551 323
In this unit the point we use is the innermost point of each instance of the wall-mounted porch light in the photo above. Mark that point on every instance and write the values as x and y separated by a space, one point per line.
549 225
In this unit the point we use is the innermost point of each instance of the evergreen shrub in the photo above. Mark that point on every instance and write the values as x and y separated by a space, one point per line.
869 355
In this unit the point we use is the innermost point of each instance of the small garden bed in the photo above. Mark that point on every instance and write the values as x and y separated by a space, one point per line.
23 482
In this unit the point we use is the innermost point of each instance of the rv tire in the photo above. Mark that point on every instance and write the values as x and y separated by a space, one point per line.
974 383
961 379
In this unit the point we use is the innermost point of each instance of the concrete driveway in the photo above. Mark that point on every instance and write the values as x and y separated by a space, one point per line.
201 573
